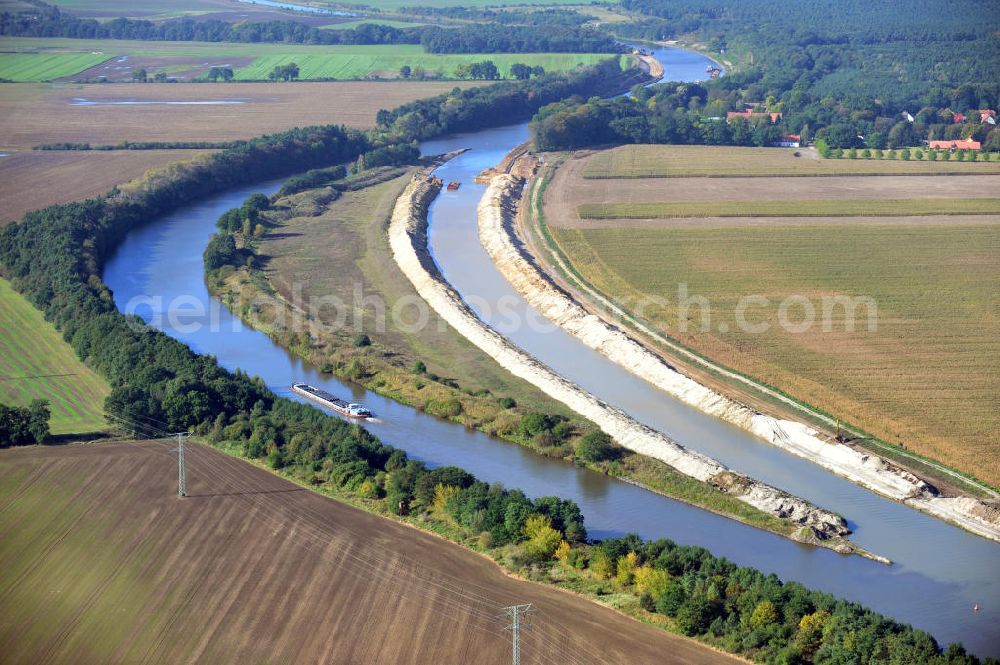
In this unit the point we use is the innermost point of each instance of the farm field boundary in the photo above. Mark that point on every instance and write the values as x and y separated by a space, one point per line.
793 208
35 363
677 161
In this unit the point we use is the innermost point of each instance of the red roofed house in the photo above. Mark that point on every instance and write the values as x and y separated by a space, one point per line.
752 116
957 118
788 141
964 144
987 115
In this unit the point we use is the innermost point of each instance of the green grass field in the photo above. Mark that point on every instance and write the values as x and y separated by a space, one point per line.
340 62
31 347
677 161
46 66
793 208
927 377
359 62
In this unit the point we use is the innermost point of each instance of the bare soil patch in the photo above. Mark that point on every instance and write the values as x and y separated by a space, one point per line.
120 68
570 186
102 562
32 114
33 180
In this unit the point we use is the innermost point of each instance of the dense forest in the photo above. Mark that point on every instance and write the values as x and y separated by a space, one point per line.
906 56
856 73
696 113
45 20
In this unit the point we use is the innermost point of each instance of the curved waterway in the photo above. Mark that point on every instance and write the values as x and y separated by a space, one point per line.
939 571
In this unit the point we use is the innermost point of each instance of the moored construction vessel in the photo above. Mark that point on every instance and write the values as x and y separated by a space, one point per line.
343 407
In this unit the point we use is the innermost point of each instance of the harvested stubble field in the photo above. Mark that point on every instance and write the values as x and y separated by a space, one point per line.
679 161
33 114
103 563
792 208
35 363
33 180
927 377
574 188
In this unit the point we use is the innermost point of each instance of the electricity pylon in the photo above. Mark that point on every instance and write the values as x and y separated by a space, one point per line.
181 475
518 615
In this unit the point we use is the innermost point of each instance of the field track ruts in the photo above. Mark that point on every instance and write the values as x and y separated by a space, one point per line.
251 568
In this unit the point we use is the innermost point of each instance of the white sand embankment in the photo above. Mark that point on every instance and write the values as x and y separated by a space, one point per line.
407 239
497 215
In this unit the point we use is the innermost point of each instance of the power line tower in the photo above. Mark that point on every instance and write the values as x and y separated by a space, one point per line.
181 475
518 615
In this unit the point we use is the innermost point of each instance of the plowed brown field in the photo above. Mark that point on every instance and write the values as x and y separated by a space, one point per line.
101 562
32 114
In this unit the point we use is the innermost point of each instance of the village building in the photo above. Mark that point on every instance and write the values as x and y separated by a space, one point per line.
961 144
788 141
988 116
753 116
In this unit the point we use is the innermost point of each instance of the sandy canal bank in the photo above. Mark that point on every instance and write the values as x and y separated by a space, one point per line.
408 241
497 228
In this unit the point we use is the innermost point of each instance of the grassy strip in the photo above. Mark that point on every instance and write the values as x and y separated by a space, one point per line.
31 352
676 161
356 66
46 66
38 59
793 208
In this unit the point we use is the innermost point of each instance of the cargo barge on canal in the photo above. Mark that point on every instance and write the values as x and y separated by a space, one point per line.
342 407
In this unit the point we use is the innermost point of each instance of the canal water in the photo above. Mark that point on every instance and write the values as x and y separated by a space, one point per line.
939 571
